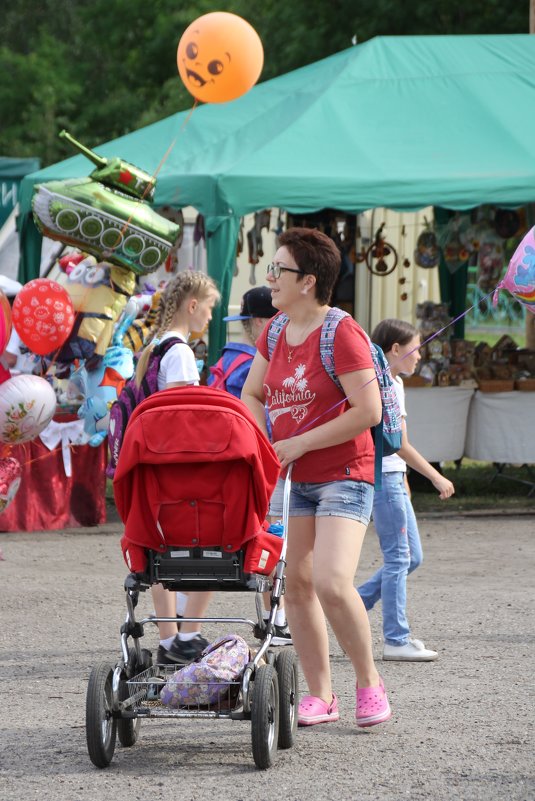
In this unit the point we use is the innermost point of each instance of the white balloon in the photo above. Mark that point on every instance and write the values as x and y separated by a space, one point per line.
27 405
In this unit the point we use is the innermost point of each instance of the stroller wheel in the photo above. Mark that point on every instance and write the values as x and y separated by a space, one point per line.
265 716
100 726
286 667
128 728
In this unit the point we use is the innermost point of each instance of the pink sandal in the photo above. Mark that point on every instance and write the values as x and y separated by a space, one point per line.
372 706
314 710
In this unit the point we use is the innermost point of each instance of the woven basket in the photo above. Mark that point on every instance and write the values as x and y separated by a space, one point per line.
495 385
525 385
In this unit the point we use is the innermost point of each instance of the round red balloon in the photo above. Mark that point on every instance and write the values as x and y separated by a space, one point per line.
5 321
219 57
43 315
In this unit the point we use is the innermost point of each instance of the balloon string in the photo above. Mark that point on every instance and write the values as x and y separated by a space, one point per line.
50 453
387 369
153 177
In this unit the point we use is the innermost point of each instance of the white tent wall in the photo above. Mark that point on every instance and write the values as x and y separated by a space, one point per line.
380 297
376 297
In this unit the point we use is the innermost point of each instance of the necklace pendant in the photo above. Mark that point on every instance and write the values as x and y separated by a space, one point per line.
290 354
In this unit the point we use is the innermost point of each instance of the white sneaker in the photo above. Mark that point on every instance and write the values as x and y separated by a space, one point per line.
413 651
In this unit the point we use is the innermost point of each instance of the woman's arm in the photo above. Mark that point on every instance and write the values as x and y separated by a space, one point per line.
253 391
419 463
362 393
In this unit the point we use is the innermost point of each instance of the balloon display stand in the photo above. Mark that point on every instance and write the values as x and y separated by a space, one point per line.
48 498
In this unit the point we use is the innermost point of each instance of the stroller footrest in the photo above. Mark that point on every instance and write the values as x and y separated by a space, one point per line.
199 569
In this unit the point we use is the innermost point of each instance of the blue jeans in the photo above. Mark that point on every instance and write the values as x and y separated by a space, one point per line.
395 523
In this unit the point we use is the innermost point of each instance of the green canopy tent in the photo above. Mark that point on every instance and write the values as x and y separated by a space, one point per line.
397 122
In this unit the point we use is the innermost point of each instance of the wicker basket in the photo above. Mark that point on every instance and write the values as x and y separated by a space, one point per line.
495 384
415 381
525 385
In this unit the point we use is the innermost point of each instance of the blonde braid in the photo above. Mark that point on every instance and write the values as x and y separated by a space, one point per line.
187 284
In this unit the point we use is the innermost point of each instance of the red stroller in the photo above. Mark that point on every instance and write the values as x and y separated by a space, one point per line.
192 486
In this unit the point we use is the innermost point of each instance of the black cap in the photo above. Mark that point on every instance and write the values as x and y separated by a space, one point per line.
255 303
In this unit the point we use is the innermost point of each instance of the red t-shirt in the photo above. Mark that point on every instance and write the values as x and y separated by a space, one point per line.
300 390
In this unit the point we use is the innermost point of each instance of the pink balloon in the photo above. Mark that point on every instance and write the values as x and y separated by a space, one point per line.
519 279
43 315
10 475
5 321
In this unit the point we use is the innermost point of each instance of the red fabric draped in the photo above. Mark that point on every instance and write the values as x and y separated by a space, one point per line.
47 499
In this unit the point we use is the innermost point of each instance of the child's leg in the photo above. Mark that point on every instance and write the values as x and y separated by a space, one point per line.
413 534
196 606
390 518
164 606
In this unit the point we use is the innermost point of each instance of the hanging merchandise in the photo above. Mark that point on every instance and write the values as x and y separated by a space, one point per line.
452 239
199 244
427 253
254 241
106 214
489 260
177 217
506 223
381 257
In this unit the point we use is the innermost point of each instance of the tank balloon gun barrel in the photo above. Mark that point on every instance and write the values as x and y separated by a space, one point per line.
99 161
116 173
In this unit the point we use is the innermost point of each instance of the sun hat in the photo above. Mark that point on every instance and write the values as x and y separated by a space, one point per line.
256 302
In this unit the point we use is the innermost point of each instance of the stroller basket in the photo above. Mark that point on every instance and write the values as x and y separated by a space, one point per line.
144 695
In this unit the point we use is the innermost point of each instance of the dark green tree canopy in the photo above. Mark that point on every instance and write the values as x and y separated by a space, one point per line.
103 69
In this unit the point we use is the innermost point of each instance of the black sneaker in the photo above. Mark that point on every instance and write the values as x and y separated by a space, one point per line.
181 652
282 636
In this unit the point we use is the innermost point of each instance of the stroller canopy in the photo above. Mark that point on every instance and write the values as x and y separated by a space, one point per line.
194 471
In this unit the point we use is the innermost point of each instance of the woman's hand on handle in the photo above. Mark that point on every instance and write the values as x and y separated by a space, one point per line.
289 450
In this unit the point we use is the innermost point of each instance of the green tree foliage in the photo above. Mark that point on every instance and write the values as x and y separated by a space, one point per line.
104 68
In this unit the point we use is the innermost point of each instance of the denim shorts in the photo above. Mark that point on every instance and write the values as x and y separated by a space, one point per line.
350 499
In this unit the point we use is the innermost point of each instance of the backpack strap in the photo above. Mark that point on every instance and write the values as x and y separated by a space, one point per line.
162 347
240 359
328 332
158 352
275 327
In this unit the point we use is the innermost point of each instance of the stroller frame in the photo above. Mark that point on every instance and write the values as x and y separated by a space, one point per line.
267 692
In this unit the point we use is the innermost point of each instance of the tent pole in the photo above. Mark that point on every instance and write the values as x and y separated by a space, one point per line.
221 247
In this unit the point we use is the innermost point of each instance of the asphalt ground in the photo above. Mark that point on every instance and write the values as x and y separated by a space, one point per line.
463 727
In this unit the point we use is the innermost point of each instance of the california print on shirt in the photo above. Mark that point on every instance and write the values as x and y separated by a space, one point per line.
294 397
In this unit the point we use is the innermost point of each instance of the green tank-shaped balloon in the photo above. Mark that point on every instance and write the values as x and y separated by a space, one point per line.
106 214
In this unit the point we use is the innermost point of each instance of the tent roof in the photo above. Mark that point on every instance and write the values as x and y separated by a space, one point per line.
402 122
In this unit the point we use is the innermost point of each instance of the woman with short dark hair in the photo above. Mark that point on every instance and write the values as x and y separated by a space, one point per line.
323 429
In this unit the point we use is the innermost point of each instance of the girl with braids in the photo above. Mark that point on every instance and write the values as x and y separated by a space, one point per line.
393 513
185 305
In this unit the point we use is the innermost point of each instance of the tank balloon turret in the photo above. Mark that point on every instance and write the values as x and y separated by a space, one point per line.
107 214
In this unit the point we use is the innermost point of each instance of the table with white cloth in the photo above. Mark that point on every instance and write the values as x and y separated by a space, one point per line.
437 420
501 428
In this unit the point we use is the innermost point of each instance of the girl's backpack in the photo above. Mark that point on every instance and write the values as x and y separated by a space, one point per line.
130 397
219 375
211 678
387 434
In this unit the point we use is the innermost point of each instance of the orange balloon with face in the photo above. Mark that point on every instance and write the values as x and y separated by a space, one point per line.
220 57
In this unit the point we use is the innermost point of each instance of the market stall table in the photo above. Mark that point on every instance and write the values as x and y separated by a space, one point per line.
437 419
500 430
